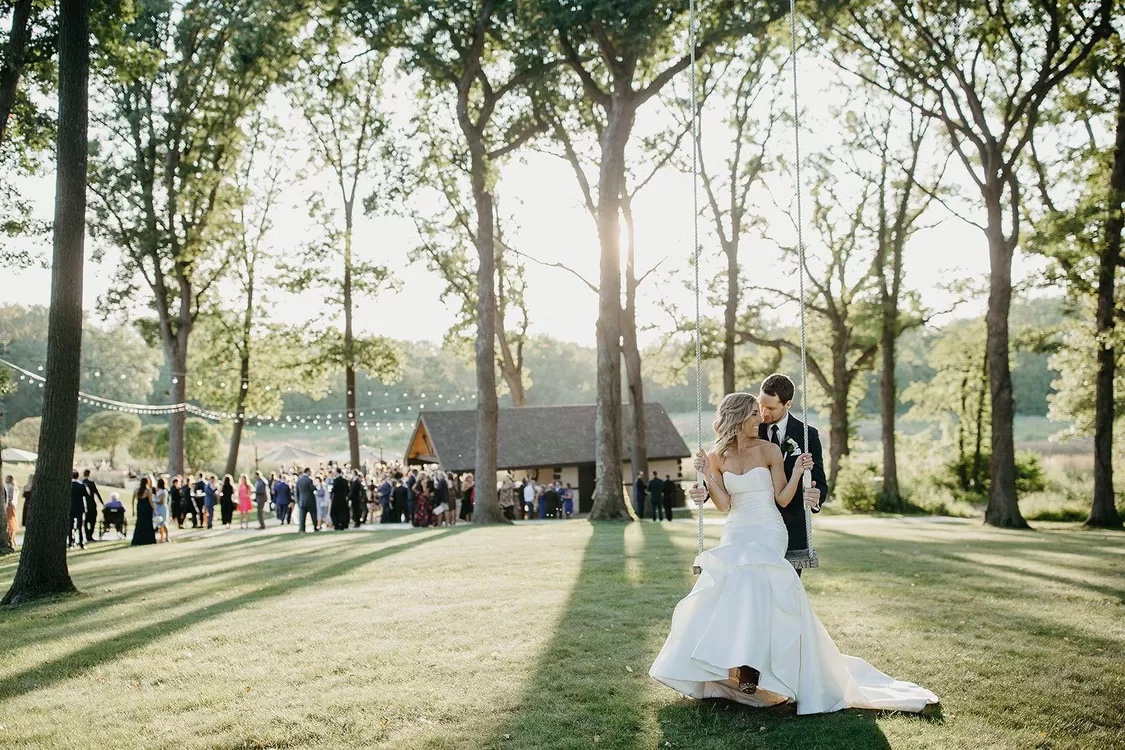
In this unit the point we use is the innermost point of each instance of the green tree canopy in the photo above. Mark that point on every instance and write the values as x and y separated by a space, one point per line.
107 430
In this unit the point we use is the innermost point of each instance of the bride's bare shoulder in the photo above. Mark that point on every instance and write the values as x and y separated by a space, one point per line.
769 450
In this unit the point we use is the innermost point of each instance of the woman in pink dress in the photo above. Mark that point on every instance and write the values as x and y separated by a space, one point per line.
244 503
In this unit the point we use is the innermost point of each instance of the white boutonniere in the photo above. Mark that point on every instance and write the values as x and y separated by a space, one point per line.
792 450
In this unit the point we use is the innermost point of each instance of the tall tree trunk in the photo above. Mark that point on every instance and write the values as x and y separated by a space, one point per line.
982 401
176 345
1103 509
730 316
177 355
243 372
609 498
838 436
239 413
349 342
638 445
42 568
1003 504
486 508
888 386
888 399
838 430
962 466
13 62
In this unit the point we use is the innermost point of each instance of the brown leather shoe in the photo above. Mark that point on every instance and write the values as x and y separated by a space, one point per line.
748 679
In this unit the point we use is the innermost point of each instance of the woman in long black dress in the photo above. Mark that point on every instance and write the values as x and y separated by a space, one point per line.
226 501
175 507
143 533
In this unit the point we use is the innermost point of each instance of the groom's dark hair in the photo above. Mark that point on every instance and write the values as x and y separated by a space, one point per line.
780 387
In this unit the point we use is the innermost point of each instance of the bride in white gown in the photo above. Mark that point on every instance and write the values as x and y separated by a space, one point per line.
746 632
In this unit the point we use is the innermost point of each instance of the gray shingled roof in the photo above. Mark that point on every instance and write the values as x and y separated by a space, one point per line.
541 436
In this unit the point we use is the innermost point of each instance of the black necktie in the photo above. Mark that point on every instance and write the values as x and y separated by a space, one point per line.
775 438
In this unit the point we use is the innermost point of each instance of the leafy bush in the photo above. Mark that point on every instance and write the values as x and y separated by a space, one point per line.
971 481
858 486
24 434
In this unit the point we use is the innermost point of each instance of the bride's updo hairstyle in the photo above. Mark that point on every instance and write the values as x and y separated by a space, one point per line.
733 412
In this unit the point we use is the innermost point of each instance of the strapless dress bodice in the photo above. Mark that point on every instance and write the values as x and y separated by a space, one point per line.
752 496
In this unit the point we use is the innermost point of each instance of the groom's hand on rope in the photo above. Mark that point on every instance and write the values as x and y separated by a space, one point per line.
812 498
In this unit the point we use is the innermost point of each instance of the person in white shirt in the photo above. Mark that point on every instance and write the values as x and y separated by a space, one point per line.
529 500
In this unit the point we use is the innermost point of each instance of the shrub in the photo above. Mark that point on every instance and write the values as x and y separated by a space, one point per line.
858 486
25 434
959 477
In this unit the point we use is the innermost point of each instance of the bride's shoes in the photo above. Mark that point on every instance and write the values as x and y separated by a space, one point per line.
748 679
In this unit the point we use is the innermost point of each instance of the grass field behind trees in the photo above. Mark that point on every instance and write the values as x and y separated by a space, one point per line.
541 636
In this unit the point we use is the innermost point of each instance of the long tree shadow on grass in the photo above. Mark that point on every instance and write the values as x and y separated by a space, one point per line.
581 693
1015 554
591 688
267 586
49 619
182 572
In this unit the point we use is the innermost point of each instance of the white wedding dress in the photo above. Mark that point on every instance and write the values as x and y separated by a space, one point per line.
749 608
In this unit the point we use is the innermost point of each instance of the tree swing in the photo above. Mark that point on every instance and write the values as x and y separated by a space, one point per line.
800 558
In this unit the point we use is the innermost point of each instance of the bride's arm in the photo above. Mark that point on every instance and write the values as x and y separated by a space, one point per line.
713 477
715 484
784 491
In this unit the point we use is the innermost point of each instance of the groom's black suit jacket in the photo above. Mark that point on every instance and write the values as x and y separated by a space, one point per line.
794 514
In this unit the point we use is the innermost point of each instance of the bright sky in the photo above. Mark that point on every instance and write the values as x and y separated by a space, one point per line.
554 227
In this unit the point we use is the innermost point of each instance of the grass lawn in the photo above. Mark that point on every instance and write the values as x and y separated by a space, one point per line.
540 636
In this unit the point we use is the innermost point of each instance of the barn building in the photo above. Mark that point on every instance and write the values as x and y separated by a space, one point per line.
544 443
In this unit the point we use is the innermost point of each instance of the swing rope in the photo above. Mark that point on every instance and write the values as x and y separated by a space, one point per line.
698 315
805 558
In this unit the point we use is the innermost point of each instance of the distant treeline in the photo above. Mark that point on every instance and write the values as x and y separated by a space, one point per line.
119 364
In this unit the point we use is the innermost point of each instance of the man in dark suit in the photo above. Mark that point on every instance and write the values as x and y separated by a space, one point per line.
93 497
399 495
358 498
78 494
386 489
656 496
787 432
338 510
669 496
198 496
639 490
306 500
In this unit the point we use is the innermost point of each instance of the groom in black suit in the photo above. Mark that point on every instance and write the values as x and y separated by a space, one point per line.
786 431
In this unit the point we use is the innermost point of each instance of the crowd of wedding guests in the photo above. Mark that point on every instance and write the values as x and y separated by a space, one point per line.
331 496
